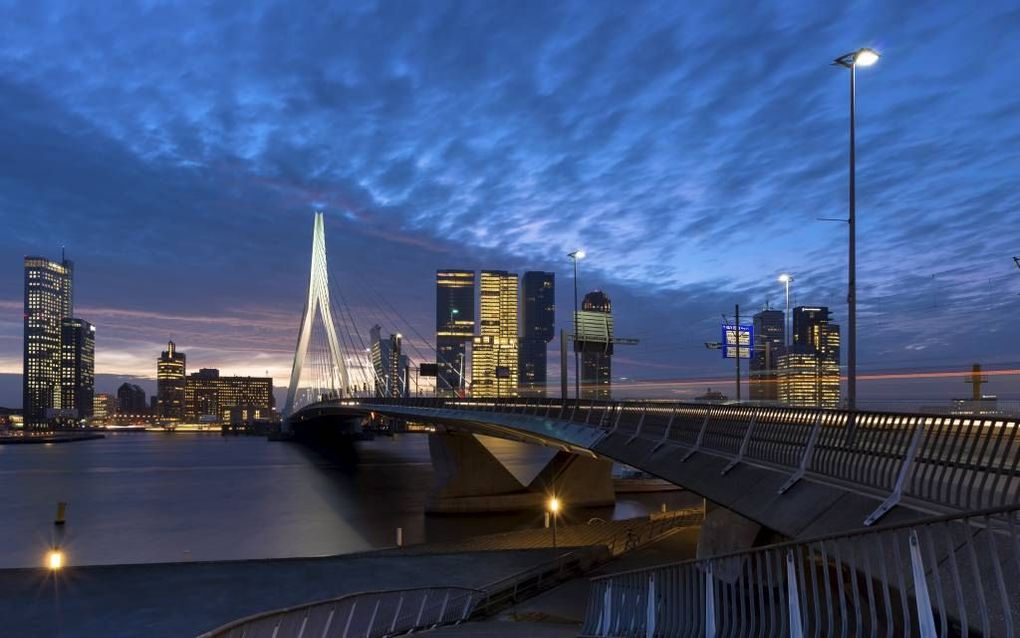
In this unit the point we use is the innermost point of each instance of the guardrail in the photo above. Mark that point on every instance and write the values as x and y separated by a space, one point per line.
368 615
953 575
946 463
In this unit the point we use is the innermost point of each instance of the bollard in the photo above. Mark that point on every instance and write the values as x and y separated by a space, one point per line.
663 508
61 513
400 537
547 520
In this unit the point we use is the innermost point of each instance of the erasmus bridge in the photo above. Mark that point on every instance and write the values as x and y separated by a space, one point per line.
895 524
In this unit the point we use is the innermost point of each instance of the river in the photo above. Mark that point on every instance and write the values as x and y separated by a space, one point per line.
154 497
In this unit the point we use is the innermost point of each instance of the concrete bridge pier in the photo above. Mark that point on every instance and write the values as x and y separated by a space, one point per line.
471 480
724 531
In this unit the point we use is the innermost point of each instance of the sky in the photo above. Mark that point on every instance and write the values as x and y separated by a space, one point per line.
177 150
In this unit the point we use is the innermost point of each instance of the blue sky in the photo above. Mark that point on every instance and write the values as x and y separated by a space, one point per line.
179 149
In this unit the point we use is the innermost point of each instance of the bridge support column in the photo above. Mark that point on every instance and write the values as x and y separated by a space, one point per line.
724 531
470 479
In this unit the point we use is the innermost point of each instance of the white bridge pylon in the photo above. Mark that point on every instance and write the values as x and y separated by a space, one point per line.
318 303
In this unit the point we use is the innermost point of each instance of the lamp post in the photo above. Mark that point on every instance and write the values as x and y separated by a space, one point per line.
860 57
787 320
554 510
577 255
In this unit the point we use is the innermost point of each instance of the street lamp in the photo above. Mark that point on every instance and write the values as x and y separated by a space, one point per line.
787 320
860 57
577 255
55 560
554 509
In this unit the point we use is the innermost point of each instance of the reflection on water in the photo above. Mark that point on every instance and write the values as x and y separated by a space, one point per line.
149 497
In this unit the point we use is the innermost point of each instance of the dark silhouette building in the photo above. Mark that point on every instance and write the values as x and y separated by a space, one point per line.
455 327
210 397
538 291
77 366
48 301
389 365
170 372
769 341
595 343
131 400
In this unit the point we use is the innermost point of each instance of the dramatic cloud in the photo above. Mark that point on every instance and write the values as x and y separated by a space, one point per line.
177 151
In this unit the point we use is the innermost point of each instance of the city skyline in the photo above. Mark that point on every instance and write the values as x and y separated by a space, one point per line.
681 185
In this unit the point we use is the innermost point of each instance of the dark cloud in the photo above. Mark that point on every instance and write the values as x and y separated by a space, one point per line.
177 150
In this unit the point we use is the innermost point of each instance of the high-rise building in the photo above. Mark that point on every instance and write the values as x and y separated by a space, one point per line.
769 341
77 366
595 343
131 400
104 405
389 365
48 301
455 327
494 349
170 373
808 371
208 396
538 305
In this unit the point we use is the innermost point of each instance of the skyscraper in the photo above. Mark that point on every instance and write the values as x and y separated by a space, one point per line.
494 350
808 371
389 365
455 327
131 400
77 366
537 330
48 301
769 339
170 372
595 343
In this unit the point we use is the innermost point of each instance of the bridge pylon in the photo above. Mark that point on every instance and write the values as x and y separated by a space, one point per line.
338 377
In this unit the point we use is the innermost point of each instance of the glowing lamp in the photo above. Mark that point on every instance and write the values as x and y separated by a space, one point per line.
55 559
554 505
866 57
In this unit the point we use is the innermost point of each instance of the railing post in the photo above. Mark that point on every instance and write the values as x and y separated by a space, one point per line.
442 612
665 434
743 445
396 614
796 630
616 421
421 609
901 478
606 619
371 621
709 601
701 435
925 619
651 608
637 430
329 621
350 617
805 459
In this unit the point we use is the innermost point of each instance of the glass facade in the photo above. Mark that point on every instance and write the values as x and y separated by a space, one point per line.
455 327
170 372
808 372
210 397
494 353
48 301
77 366
594 329
538 300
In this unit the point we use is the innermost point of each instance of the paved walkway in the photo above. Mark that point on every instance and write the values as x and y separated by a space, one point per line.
186 599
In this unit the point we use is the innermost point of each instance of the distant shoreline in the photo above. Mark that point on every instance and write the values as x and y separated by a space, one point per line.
51 437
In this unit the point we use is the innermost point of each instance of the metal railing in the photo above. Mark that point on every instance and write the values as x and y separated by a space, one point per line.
953 575
365 615
946 463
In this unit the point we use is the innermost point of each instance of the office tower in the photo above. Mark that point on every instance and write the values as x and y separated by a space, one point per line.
77 366
210 397
494 349
170 373
404 372
48 301
595 343
455 327
538 305
769 340
131 399
104 405
389 365
808 371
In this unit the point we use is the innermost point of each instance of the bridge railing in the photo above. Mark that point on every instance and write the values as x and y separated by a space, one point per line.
952 575
368 614
943 462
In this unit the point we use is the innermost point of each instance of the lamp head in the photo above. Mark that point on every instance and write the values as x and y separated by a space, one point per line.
861 57
554 505
54 560
785 278
577 254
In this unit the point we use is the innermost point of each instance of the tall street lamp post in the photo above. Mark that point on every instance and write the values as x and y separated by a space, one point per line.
860 57
576 256
787 320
